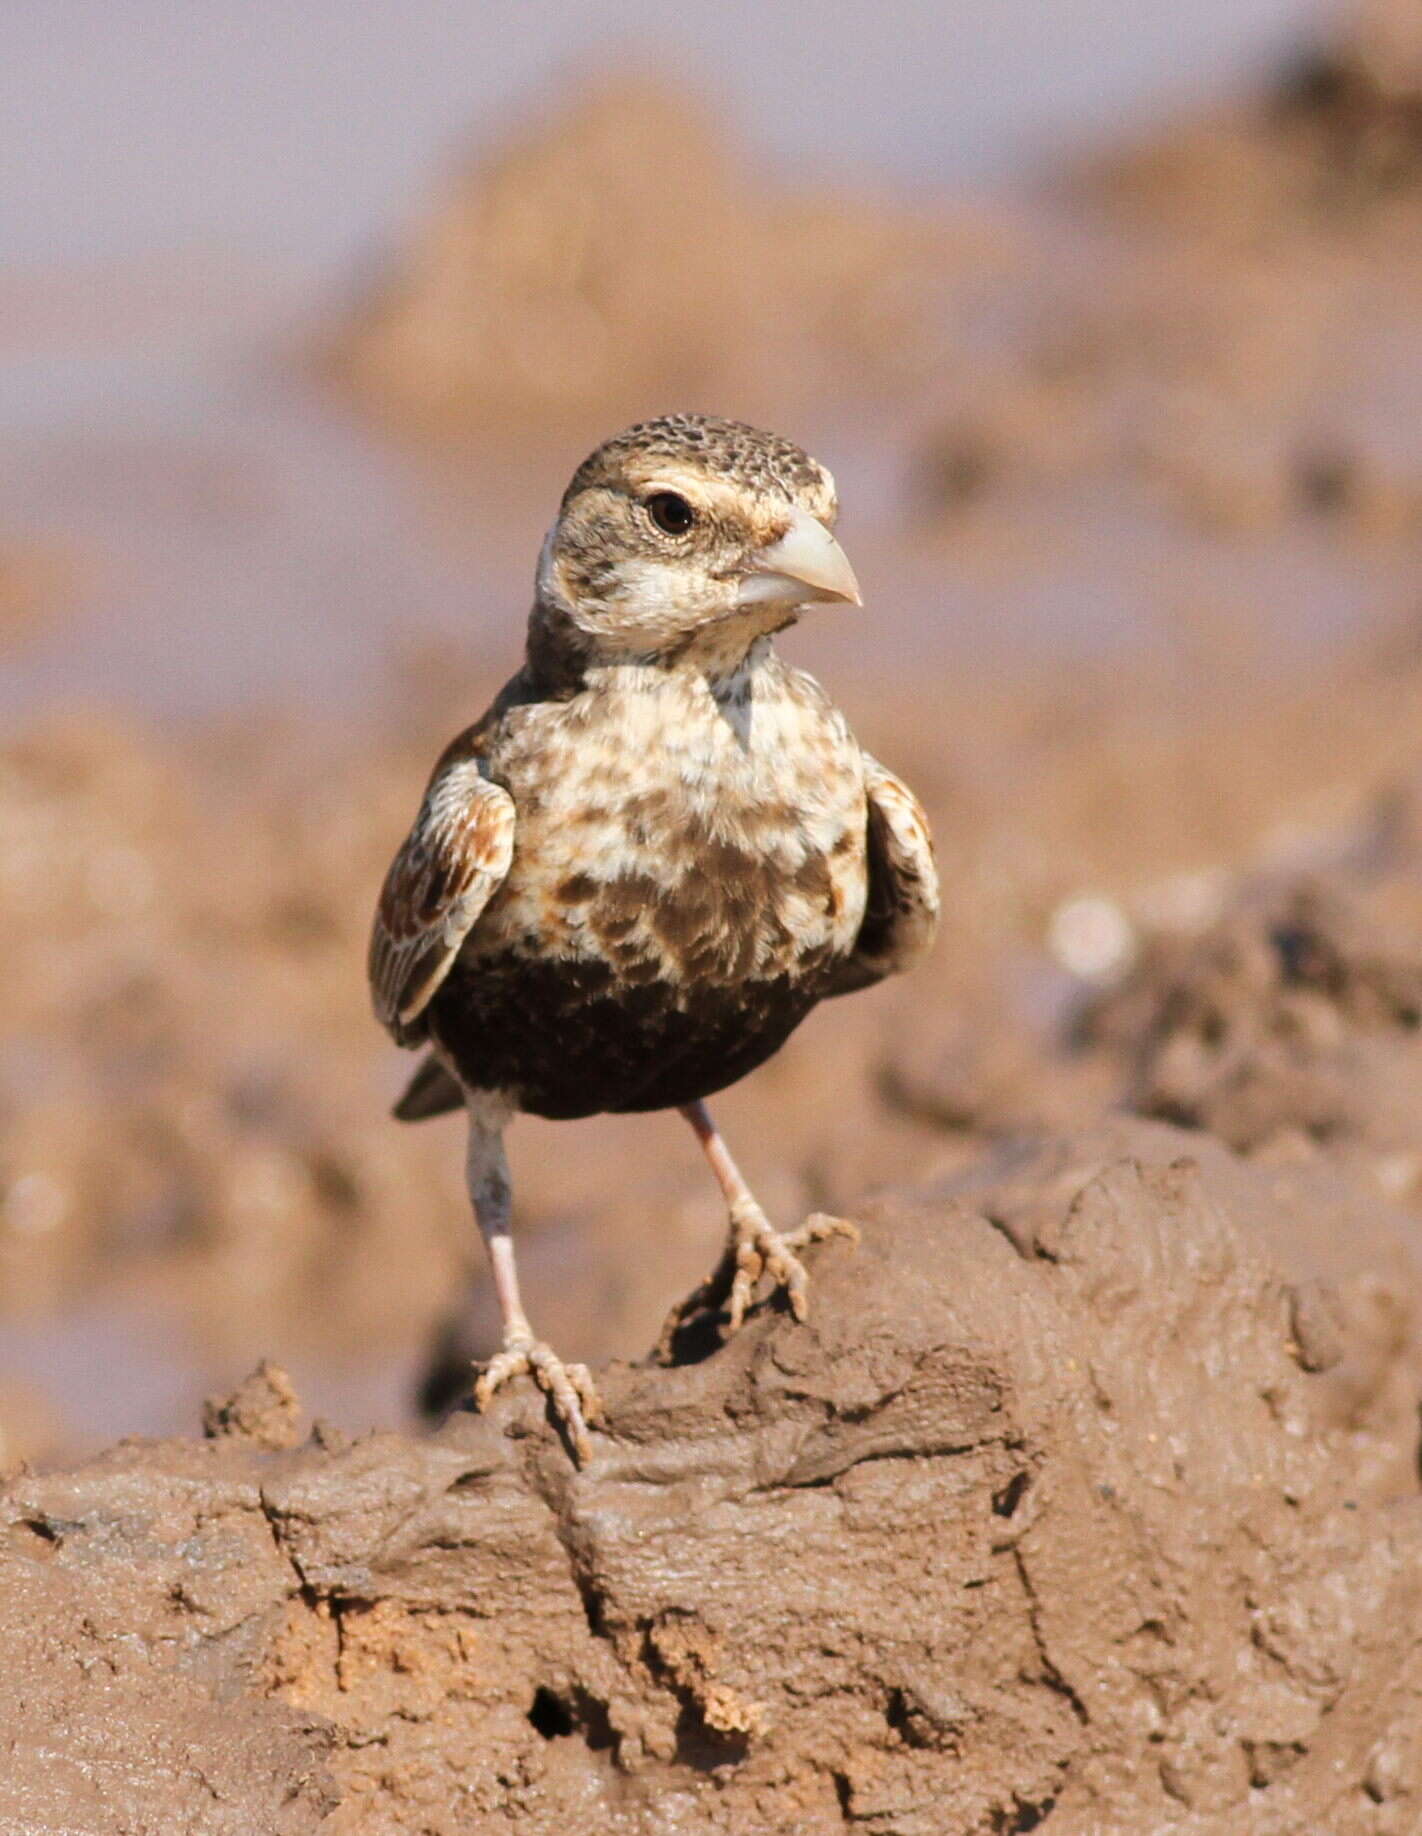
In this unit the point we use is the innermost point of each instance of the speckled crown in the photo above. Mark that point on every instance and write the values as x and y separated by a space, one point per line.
764 460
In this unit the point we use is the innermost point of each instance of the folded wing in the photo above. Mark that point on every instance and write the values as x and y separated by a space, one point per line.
901 912
452 861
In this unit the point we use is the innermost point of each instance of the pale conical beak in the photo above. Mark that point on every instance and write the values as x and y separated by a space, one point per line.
805 564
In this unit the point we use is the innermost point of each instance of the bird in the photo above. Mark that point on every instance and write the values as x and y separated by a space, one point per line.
659 848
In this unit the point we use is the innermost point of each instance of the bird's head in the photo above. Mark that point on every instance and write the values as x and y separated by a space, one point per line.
690 537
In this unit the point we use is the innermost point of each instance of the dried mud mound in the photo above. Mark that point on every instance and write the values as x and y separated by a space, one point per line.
1079 1504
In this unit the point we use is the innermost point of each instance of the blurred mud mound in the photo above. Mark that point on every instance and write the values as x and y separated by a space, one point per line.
1292 1025
172 987
1227 352
1095 1508
618 260
1334 144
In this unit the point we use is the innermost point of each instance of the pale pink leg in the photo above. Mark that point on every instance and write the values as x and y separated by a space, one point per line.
569 1387
753 1248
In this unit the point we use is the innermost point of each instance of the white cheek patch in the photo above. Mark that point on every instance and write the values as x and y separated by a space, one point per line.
663 596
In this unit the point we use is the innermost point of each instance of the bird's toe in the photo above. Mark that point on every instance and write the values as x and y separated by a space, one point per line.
819 1227
755 1253
569 1387
776 1257
512 1361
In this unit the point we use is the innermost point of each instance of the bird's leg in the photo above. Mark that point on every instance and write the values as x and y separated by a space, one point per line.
569 1387
754 1249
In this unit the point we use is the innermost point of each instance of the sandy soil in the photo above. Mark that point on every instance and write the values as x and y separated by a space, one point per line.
1088 1498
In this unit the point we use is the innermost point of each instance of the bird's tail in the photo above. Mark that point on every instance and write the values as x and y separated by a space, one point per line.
430 1092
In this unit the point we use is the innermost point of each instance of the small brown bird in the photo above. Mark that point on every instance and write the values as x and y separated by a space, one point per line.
661 846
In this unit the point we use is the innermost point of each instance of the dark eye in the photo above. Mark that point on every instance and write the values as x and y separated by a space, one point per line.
670 512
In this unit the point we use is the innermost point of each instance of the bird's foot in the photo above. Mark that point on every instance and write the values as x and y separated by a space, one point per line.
755 1251
568 1387
761 1252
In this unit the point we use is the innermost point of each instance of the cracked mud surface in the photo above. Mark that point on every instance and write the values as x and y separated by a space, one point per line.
1051 1514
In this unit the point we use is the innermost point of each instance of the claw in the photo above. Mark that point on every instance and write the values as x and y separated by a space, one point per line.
568 1387
755 1251
754 1242
766 1252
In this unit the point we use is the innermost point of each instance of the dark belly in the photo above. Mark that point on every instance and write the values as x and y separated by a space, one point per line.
564 1042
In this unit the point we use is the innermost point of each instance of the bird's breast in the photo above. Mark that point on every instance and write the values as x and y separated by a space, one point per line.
681 840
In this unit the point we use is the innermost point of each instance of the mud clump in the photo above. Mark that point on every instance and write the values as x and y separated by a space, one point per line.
263 1410
1290 1027
1044 1515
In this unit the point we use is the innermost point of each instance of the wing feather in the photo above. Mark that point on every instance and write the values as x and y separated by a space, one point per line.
901 912
451 863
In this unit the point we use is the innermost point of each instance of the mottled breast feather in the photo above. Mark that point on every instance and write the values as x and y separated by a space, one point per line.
901 910
452 861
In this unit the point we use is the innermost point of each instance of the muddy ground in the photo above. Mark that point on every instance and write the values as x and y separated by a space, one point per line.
1088 1498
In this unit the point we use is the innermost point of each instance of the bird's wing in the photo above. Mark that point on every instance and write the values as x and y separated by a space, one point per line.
450 865
901 911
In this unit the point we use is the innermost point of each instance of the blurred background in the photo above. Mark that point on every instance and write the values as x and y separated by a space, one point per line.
1108 319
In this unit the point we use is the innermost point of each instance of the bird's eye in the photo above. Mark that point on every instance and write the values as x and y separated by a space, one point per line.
670 512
